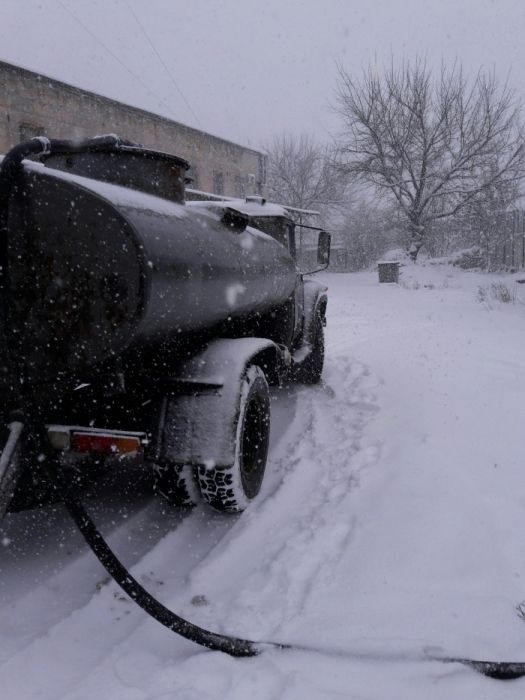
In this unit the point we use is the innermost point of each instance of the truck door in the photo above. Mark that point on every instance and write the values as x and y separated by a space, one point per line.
299 284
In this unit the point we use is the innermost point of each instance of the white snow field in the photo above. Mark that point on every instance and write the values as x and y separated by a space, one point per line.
390 526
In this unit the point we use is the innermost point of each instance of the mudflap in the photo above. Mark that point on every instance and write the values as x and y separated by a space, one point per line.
199 418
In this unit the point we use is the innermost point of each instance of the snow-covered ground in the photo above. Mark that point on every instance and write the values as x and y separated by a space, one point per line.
391 522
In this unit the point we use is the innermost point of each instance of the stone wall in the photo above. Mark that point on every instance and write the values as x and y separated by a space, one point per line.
32 104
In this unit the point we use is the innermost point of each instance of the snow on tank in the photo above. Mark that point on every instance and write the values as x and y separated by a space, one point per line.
273 219
253 206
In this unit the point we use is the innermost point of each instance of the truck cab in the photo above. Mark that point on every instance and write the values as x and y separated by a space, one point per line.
278 221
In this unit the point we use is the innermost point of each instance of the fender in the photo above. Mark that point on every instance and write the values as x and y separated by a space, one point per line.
315 301
198 413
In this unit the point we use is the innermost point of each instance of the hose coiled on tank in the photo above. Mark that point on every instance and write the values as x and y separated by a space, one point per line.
10 168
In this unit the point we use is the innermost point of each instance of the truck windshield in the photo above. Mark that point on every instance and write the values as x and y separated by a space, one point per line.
277 228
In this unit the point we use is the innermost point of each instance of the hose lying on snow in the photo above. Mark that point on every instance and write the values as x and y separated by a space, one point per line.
234 646
37 440
218 642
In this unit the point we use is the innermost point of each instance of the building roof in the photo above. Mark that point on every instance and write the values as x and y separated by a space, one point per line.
54 83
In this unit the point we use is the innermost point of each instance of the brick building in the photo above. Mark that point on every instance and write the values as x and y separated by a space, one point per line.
33 104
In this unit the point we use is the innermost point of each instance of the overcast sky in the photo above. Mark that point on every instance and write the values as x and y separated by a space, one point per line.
248 69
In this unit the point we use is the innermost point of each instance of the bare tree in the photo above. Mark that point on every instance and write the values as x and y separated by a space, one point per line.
301 174
367 232
489 217
432 143
486 225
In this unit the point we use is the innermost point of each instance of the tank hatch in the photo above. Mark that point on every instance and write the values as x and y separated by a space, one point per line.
124 163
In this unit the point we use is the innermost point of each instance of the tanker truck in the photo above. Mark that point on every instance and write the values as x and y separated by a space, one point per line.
137 326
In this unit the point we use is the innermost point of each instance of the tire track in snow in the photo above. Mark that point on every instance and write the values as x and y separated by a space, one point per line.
71 649
287 542
260 577
70 581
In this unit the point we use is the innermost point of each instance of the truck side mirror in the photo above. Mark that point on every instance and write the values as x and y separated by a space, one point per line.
323 248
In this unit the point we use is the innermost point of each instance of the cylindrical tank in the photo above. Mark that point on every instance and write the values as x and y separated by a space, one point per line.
97 270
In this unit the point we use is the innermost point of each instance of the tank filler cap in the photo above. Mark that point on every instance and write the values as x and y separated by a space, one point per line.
256 199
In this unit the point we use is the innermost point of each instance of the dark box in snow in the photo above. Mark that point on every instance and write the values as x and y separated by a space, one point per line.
388 271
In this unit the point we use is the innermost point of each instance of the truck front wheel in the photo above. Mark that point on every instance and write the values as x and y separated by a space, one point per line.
232 488
311 369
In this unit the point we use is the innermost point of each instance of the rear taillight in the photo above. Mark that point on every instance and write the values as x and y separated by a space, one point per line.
95 441
104 444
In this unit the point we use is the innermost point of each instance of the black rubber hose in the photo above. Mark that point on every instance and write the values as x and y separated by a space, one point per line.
40 145
9 169
10 166
233 646
107 142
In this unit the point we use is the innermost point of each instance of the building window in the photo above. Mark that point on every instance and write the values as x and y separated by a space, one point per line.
218 183
194 174
28 131
263 160
239 188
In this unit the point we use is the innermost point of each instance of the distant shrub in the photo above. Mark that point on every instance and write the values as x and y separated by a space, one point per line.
470 259
482 295
497 291
500 292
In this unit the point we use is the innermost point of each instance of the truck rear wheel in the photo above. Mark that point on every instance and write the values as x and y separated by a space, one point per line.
177 484
232 488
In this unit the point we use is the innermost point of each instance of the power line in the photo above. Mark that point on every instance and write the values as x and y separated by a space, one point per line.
170 75
111 53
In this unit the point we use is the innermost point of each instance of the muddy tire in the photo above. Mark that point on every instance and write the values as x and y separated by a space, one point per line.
311 370
232 488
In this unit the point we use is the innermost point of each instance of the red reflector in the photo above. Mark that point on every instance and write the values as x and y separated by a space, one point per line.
104 444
